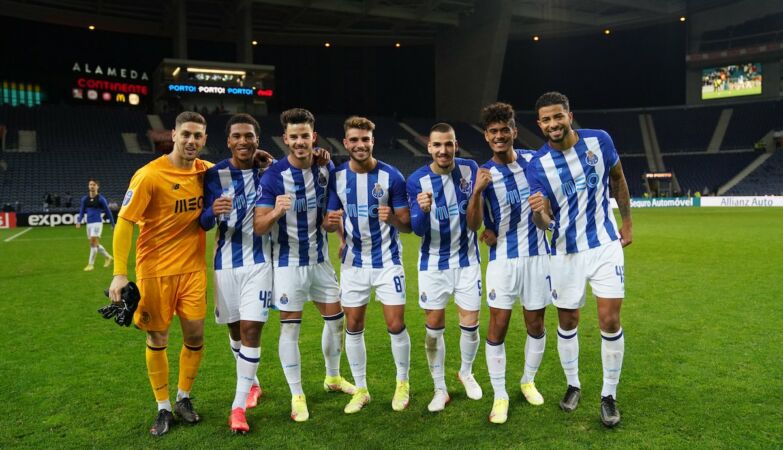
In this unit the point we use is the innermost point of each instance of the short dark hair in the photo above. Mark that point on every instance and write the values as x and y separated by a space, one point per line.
552 98
296 116
243 118
94 181
360 123
498 112
441 127
189 116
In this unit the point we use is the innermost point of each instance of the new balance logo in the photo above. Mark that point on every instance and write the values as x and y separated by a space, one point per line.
188 204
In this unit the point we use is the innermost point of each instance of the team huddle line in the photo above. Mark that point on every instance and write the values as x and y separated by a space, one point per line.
273 218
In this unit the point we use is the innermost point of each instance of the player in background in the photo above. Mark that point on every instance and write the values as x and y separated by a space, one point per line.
571 179
291 205
94 204
165 198
367 197
449 263
518 256
243 260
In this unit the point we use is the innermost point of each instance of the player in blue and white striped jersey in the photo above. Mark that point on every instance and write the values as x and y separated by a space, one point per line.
94 205
291 205
243 260
367 197
518 256
449 263
570 179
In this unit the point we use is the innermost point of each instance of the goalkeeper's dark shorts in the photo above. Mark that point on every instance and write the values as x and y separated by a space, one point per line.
162 297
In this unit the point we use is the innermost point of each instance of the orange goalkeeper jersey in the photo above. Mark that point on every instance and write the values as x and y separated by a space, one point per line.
166 202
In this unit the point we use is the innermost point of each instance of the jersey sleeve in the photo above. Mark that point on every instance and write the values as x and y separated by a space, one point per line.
211 192
533 172
398 198
268 189
106 210
333 203
420 221
608 150
81 209
137 197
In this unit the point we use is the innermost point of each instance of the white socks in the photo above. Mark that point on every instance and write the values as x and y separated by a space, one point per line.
235 346
401 351
435 346
247 365
568 349
468 345
93 252
288 349
357 356
612 351
331 342
534 353
496 366
103 252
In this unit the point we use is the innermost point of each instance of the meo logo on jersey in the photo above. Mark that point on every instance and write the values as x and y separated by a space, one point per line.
465 185
377 191
591 158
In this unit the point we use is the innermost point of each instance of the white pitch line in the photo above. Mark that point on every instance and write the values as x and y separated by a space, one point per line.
9 239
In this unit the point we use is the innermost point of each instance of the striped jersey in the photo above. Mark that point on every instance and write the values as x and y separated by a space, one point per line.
236 244
369 241
507 212
298 238
94 207
447 242
576 182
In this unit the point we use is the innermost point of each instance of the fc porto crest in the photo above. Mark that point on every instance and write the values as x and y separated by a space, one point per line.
377 191
554 294
322 181
465 185
492 294
423 297
283 299
591 158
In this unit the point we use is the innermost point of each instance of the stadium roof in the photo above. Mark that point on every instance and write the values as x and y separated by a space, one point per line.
354 22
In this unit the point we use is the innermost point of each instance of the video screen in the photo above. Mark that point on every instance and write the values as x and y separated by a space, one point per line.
734 80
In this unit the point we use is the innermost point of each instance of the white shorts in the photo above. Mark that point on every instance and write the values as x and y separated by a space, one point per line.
526 278
94 229
243 293
437 286
296 285
356 283
602 266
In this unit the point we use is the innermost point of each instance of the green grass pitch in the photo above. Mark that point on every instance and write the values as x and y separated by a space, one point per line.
702 365
709 95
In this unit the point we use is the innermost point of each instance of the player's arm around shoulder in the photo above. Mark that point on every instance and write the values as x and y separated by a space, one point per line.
619 189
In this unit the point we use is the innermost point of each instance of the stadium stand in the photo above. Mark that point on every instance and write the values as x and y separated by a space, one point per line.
30 176
622 125
695 172
757 31
766 180
685 130
83 142
750 122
